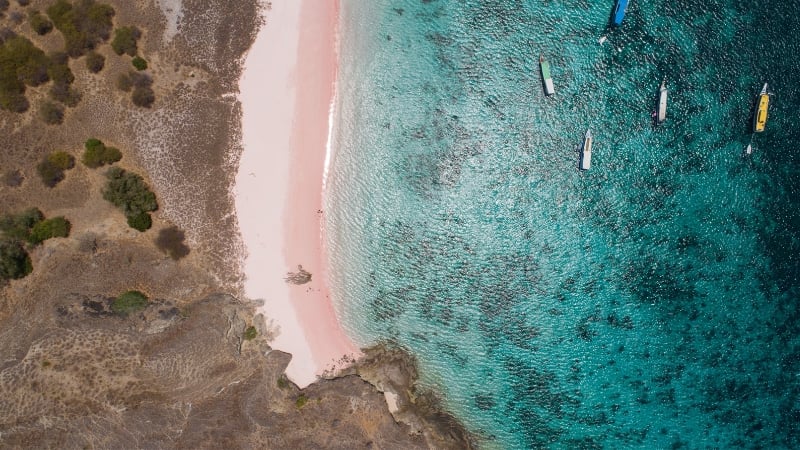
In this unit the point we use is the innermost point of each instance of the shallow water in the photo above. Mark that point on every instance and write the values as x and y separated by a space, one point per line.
651 301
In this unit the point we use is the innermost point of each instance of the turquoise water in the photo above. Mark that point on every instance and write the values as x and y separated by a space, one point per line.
650 302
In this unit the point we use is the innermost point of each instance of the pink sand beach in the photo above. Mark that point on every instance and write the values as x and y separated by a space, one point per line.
286 92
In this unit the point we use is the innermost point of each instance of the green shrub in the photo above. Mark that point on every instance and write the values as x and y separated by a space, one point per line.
130 193
39 23
125 40
14 260
18 226
97 154
95 62
301 401
83 25
143 97
52 168
62 160
49 228
129 302
171 241
139 63
51 113
250 333
21 64
141 222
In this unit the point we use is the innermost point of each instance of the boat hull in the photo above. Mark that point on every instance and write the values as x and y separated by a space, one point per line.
662 104
548 81
760 119
620 9
586 153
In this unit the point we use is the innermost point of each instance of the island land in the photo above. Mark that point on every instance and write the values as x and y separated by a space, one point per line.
124 320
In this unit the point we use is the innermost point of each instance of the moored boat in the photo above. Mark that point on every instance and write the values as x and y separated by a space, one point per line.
586 154
662 101
619 11
760 119
548 81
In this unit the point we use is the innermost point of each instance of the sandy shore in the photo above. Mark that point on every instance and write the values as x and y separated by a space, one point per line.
286 93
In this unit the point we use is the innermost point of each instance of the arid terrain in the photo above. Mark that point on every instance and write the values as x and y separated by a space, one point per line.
193 368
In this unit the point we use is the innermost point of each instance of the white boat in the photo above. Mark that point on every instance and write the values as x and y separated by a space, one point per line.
548 81
586 154
749 149
662 101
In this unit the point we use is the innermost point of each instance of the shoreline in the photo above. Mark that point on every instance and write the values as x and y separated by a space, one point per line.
286 91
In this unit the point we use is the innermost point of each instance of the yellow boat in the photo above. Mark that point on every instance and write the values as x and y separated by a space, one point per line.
760 120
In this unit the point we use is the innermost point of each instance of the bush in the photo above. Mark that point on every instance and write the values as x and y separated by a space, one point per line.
14 260
141 222
143 97
130 193
39 23
124 82
170 240
129 302
18 226
65 94
250 333
51 113
52 168
21 64
24 2
62 160
97 154
95 62
58 70
125 40
139 63
49 228
301 401
83 25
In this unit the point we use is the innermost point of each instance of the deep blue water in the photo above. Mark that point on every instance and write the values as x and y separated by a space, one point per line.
650 302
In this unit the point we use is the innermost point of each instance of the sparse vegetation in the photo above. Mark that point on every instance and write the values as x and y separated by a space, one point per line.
52 168
129 192
250 333
139 63
143 94
49 228
83 25
283 383
124 41
97 154
39 23
171 241
301 401
95 61
13 178
124 82
143 97
51 113
129 302
14 260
